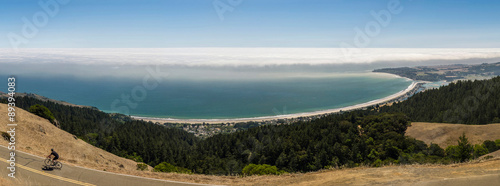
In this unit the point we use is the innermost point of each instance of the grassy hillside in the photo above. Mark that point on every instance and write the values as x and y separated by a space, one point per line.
36 135
445 134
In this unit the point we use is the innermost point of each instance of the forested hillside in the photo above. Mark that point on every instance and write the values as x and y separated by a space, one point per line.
338 140
363 137
153 143
349 139
466 102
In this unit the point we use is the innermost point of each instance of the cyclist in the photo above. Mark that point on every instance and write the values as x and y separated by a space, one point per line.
56 156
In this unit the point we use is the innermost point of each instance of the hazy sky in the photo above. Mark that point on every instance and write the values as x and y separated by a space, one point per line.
251 23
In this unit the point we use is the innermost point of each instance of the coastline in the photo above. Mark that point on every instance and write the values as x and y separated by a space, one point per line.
389 98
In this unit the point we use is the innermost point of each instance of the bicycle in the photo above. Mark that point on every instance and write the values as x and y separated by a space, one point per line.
50 163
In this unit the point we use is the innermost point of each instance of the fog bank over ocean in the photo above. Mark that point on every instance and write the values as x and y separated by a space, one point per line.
228 63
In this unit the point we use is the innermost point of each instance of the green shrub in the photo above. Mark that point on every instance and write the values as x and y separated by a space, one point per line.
436 150
142 166
479 150
6 136
490 145
488 157
167 167
377 163
135 157
253 169
418 158
42 111
498 143
452 152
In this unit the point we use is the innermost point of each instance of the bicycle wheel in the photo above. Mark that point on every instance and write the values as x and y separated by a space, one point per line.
48 162
58 165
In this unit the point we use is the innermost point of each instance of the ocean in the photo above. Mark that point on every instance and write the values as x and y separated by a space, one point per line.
216 98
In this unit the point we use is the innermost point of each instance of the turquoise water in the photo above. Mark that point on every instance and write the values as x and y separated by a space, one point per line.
216 99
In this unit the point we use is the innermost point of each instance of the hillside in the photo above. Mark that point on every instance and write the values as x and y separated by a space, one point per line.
43 98
445 134
32 139
352 139
37 136
465 102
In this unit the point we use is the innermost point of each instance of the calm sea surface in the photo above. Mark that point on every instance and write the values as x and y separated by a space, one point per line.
215 99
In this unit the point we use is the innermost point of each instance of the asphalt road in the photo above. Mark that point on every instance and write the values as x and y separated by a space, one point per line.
29 170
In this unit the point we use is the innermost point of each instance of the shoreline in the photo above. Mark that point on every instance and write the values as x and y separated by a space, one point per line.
389 98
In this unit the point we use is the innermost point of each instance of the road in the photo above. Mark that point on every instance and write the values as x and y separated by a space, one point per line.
29 170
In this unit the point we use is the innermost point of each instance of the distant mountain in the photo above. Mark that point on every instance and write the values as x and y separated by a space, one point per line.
43 98
444 72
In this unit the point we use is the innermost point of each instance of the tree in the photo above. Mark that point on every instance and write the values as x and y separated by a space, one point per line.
42 111
464 148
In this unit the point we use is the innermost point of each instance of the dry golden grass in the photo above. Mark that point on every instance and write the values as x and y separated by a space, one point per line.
389 175
447 134
37 136
31 139
5 182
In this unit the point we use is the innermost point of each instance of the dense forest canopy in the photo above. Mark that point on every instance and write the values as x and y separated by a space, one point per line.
363 137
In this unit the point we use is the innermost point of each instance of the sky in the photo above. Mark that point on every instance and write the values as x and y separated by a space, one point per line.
249 23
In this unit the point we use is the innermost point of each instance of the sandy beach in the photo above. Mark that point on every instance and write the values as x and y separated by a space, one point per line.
287 116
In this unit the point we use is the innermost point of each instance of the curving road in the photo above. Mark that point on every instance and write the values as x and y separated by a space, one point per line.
29 170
